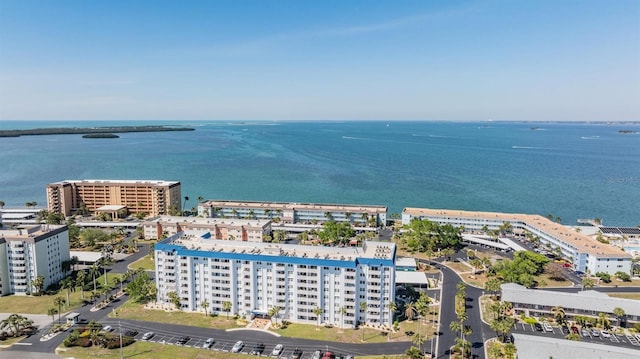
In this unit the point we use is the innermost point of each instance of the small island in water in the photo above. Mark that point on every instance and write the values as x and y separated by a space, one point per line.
100 135
627 131
91 130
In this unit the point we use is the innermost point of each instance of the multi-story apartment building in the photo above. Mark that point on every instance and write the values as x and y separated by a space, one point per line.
251 230
30 252
256 277
289 212
586 253
536 302
144 196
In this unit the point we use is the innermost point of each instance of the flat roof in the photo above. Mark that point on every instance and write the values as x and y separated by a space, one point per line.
201 241
88 257
581 242
485 242
110 208
296 206
404 277
535 347
107 181
406 262
253 223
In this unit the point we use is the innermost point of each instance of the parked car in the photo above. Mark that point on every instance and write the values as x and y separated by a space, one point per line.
605 334
277 350
258 349
237 347
565 330
107 328
574 329
317 354
183 340
297 354
595 332
328 355
585 332
208 343
148 335
538 326
130 333
547 327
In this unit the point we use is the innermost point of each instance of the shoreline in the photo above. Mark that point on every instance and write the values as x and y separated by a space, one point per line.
90 130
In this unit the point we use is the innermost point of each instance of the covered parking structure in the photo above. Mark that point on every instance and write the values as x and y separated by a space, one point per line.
477 240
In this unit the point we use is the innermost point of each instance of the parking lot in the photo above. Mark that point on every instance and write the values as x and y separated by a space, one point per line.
614 339
222 345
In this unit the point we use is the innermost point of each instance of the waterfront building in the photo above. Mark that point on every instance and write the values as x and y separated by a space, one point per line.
222 229
585 253
256 277
29 252
536 302
138 196
11 217
291 213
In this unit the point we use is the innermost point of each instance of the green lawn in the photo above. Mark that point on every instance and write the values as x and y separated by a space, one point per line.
135 311
40 304
625 295
145 263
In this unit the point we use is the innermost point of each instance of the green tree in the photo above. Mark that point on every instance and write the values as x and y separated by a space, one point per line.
174 298
510 350
59 302
1 204
68 284
620 314
625 277
226 306
493 285
205 306
336 232
141 288
558 314
38 284
52 312
414 353
317 311
410 311
81 280
343 311
393 307
587 283
94 272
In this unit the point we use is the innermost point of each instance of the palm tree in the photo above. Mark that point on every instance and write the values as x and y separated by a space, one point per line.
184 204
410 311
205 305
94 271
620 314
226 306
348 216
558 314
604 320
38 284
59 302
455 327
252 214
343 311
67 284
81 279
235 212
1 204
317 311
418 340
392 306
52 312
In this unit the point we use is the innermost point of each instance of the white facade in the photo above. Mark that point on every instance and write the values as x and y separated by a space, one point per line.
222 229
586 254
28 253
256 277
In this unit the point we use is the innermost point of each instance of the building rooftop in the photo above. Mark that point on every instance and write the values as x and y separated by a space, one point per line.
129 182
202 241
29 232
252 223
581 242
296 206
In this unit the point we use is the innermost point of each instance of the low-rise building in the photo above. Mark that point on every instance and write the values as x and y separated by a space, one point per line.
536 302
222 229
290 212
256 277
29 252
586 253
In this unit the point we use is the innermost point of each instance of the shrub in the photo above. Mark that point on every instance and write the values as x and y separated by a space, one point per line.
530 320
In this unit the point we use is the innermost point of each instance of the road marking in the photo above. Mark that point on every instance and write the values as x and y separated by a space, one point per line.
22 343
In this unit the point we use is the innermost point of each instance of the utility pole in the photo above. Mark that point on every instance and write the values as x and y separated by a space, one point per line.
121 350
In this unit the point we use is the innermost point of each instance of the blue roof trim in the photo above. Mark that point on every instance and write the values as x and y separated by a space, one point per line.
182 251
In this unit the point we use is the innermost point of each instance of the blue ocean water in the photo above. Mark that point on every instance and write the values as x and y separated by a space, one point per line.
566 169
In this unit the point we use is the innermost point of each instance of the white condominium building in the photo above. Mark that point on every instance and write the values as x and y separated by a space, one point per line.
222 229
30 252
586 253
290 212
256 277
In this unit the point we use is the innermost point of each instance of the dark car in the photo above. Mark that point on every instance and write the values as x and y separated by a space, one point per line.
258 349
130 333
574 330
183 340
538 327
297 354
565 330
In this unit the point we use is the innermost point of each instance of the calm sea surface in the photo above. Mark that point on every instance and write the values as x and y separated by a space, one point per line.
568 170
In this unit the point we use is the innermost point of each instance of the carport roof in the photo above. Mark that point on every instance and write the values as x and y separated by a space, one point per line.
404 277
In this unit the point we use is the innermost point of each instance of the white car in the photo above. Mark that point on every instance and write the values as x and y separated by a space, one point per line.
605 334
208 343
108 328
547 327
148 335
277 350
237 347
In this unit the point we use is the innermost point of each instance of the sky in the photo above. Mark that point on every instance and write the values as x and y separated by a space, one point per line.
456 60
